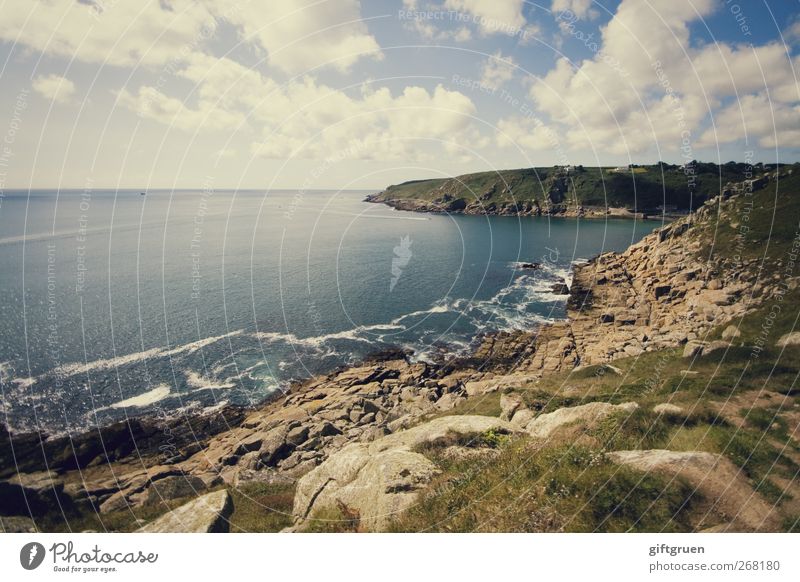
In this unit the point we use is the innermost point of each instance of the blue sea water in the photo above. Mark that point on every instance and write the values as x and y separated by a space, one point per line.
116 304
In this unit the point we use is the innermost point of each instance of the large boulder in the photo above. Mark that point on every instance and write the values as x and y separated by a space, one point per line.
378 480
206 514
789 339
544 425
715 477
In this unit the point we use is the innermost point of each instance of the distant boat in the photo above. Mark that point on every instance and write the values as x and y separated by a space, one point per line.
142 193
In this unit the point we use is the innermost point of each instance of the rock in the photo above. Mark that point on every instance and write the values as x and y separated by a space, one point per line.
38 493
206 514
715 477
297 435
379 480
481 387
17 524
522 417
173 487
667 408
789 339
715 345
324 429
693 348
274 446
442 427
509 404
545 425
730 333
449 401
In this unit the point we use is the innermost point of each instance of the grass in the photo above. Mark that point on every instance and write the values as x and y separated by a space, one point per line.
83 518
261 507
564 488
332 520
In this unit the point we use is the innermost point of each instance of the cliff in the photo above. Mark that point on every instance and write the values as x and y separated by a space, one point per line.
660 403
655 190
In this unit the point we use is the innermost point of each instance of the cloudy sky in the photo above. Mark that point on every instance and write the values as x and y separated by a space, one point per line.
348 94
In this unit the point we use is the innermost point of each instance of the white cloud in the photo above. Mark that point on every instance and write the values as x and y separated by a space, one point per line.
124 33
492 16
580 8
649 86
497 70
150 103
488 17
296 35
303 118
303 34
54 87
766 123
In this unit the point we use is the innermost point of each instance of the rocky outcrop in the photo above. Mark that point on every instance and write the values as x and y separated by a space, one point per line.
206 514
377 481
546 425
716 478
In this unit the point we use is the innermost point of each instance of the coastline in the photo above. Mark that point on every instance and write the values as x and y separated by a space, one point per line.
523 209
659 294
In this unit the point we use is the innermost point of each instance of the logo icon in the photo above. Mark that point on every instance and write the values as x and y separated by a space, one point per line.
31 555
402 254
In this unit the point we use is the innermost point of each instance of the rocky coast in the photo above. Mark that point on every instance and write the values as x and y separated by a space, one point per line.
357 442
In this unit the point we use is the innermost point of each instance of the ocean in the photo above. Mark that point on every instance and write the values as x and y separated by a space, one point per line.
116 304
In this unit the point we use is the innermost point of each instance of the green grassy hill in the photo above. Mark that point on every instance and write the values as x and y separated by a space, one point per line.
557 189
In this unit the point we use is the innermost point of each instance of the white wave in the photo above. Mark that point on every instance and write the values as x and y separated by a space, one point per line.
24 382
355 334
198 382
112 363
215 408
151 397
438 307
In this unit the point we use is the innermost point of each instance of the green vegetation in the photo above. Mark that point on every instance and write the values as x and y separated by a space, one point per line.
563 488
261 507
638 188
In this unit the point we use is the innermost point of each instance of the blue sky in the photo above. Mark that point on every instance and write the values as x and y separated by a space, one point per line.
348 94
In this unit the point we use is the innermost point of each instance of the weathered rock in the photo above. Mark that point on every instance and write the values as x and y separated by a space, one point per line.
719 480
173 487
667 408
509 404
731 332
379 480
17 524
789 339
297 435
206 514
693 348
545 425
274 446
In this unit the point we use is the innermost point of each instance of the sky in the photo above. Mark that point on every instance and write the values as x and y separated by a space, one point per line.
319 94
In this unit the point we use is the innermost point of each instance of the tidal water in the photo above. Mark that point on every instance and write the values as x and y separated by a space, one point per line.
117 304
